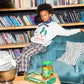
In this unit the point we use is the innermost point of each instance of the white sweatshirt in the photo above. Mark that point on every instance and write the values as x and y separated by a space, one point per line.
44 34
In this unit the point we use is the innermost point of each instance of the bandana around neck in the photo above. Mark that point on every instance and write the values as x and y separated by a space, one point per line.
46 23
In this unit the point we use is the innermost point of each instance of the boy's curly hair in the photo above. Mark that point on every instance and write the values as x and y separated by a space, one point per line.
44 6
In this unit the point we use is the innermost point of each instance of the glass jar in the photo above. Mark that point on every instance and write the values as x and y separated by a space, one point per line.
47 69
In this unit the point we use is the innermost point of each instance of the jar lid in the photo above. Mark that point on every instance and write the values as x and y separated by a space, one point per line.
47 63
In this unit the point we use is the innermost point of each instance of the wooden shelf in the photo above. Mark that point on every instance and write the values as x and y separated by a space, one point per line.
34 8
35 26
72 24
16 45
21 27
17 9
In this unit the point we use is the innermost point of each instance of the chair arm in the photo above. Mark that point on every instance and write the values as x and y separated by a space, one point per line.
80 64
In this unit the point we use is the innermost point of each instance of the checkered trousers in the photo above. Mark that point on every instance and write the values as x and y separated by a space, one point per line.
24 58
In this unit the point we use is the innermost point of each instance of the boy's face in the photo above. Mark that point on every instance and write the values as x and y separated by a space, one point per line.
45 16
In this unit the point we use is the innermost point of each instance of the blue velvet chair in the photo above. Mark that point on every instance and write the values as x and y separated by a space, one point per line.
67 73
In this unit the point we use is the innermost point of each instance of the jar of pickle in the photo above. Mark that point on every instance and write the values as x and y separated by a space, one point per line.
47 69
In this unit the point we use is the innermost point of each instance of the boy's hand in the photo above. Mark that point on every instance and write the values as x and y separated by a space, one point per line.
82 30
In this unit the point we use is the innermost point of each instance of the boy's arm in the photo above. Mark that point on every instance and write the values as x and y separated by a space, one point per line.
66 32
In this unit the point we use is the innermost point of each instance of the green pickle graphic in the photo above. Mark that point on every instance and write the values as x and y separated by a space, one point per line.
46 72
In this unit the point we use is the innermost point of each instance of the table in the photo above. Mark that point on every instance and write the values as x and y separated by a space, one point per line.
20 80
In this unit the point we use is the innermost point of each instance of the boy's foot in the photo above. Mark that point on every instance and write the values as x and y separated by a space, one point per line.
25 73
22 73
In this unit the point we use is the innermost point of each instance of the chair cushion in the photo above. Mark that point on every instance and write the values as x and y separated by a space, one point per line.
73 51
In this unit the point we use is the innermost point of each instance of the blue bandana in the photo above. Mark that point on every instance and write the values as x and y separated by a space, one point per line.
46 23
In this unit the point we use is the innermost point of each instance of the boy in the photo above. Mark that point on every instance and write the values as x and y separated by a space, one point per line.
43 35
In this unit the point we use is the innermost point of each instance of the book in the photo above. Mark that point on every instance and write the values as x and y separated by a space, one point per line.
30 20
26 20
16 3
63 2
14 20
28 33
73 16
76 16
4 24
11 52
58 16
17 38
2 41
55 17
5 21
26 37
82 17
65 18
76 2
31 33
34 3
19 20
22 38
55 3
61 18
9 21
6 38
33 19
70 14
19 3
11 37
1 25
17 52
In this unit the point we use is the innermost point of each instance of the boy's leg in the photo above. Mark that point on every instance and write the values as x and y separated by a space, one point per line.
29 51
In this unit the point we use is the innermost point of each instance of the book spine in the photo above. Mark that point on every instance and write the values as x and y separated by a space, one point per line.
33 20
28 17
11 37
9 24
26 20
3 22
13 18
9 20
19 20
19 3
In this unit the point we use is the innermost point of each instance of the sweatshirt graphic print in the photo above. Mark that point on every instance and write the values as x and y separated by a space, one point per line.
41 36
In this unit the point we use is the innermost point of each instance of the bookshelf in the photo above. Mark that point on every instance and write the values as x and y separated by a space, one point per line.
19 45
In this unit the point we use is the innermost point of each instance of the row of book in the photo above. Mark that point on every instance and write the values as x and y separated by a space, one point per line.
57 2
9 21
67 16
35 3
13 52
22 3
10 38
67 2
